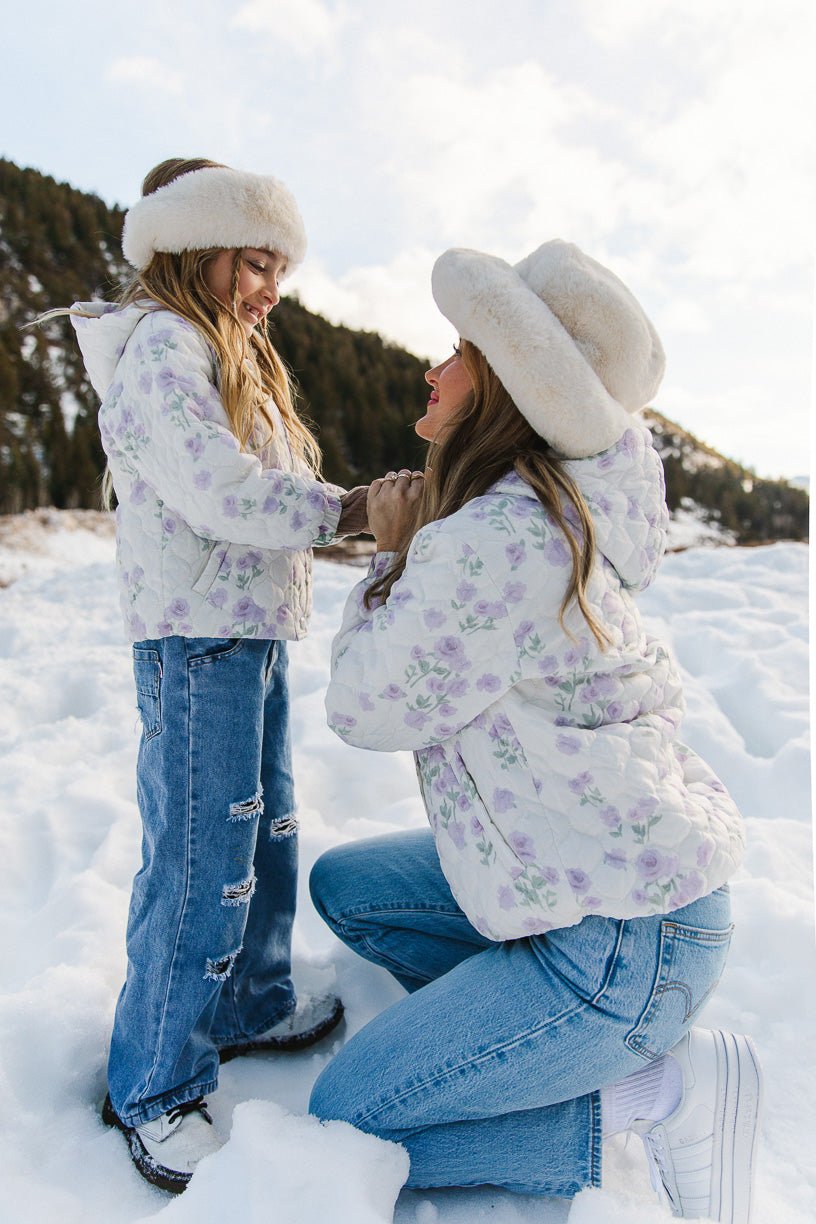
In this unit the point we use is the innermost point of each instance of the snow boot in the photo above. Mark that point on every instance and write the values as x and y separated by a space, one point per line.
313 1017
167 1149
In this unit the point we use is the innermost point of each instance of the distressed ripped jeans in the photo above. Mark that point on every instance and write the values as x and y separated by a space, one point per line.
211 912
488 1071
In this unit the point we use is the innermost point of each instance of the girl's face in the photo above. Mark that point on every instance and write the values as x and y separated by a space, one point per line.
257 282
450 386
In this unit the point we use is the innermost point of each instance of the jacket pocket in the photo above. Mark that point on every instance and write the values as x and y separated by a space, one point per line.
690 963
212 567
147 673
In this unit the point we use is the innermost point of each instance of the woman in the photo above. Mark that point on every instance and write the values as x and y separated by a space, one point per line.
567 915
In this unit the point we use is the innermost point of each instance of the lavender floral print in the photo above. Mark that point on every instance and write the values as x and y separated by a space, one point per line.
551 772
211 541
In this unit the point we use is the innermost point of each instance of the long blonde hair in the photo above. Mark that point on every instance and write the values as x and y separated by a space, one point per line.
250 370
485 439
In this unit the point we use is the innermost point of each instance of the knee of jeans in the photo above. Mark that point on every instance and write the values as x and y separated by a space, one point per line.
323 881
328 1100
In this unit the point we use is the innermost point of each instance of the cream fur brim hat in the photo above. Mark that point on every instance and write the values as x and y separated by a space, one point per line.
571 344
215 207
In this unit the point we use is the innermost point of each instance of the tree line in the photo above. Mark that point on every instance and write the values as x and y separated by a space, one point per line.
362 394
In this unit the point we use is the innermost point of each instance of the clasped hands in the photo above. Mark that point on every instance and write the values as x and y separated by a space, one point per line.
385 509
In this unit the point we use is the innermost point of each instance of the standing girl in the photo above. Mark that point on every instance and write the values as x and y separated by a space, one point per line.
567 915
219 505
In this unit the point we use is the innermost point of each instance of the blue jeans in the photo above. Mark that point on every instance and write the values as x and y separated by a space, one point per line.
212 907
488 1072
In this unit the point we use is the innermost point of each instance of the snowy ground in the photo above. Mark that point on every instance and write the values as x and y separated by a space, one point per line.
69 837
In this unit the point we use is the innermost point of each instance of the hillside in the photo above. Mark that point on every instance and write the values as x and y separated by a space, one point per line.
58 245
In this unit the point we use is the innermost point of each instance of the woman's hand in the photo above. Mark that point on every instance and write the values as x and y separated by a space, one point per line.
392 508
353 516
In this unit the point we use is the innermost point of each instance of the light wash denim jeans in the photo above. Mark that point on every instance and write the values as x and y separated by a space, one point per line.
211 913
488 1071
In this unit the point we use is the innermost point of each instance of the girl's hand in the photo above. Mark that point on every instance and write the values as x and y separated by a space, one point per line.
353 516
392 508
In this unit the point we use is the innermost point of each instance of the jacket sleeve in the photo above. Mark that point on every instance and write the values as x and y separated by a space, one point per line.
441 649
166 421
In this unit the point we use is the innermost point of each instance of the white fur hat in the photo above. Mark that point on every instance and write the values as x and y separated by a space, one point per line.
570 343
215 207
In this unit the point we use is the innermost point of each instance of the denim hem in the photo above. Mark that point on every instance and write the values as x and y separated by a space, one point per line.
397 907
551 1189
595 1141
163 1104
222 1039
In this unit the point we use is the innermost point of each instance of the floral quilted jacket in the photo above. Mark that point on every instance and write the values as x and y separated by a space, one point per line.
211 541
551 770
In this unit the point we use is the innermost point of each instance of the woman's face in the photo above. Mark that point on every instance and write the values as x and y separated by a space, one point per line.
450 386
257 282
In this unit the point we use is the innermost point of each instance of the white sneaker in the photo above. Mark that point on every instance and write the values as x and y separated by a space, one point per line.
167 1149
313 1017
702 1156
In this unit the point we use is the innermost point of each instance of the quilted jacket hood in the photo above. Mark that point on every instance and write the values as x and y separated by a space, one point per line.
624 490
626 493
102 331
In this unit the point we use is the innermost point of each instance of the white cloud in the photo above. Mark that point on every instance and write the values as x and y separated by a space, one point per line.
503 159
671 22
145 71
393 299
730 153
717 178
684 315
305 26
745 423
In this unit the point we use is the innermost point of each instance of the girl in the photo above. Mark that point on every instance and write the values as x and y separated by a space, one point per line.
219 505
567 915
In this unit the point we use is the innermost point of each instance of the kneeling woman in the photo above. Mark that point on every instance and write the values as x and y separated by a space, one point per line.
567 914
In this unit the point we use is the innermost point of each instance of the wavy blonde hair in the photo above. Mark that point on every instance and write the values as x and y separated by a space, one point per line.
250 370
486 438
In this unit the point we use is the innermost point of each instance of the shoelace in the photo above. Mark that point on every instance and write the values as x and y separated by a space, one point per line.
657 1168
656 1153
199 1105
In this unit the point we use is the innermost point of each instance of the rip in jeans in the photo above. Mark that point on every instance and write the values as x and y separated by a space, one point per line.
218 970
286 826
247 809
239 893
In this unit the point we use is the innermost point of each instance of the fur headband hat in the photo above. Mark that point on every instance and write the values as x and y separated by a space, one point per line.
215 207
570 343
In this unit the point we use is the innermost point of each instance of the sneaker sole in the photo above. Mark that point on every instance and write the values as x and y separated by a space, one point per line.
153 1172
298 1041
737 1119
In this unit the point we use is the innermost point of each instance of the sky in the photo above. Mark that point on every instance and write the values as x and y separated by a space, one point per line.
671 139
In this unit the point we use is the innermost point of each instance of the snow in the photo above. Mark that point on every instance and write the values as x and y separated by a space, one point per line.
360 1176
69 844
689 527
